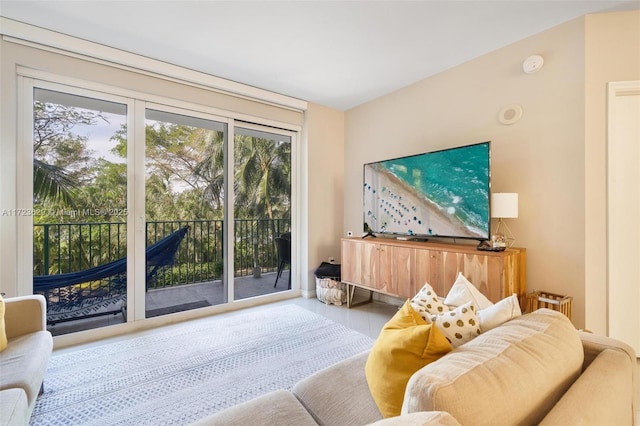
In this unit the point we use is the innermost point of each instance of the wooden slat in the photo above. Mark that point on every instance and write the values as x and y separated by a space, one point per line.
401 268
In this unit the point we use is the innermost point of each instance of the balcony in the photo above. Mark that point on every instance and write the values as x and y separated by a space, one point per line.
179 298
191 279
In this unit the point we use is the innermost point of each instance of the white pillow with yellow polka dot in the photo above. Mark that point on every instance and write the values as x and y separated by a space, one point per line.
427 303
459 325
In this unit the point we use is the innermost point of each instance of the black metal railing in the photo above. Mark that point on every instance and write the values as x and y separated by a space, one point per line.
69 247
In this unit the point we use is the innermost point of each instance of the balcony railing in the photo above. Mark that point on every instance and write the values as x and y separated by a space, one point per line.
70 247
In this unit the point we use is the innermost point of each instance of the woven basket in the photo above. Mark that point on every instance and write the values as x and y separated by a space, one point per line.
330 291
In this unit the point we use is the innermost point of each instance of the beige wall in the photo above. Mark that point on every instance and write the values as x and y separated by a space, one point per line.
612 53
540 157
325 128
554 157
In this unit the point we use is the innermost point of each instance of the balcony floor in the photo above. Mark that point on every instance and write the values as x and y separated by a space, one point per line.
182 298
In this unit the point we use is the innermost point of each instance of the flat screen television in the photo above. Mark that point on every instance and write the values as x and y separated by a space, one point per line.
435 194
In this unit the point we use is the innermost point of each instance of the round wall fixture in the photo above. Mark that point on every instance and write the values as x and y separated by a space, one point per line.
510 114
532 64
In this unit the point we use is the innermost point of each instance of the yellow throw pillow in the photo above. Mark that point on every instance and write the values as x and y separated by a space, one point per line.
405 345
3 333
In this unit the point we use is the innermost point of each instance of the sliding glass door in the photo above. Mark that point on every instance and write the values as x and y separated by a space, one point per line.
79 209
143 209
184 192
262 211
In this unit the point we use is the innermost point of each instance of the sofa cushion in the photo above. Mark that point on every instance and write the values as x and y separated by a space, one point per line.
339 395
405 344
24 363
13 407
277 408
513 374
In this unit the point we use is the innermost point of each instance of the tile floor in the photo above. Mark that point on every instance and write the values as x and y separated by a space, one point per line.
367 319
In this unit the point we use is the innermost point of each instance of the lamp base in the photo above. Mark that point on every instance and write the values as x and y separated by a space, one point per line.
487 245
503 239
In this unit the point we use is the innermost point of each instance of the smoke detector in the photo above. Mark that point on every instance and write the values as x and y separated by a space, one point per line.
532 64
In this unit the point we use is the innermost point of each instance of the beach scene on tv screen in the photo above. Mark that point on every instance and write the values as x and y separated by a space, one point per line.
443 193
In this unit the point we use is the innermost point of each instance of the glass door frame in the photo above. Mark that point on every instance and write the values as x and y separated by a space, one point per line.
140 188
24 178
295 199
137 103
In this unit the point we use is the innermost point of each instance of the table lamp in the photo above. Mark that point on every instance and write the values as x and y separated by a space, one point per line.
504 205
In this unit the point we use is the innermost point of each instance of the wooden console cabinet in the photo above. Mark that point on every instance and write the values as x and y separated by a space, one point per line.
400 268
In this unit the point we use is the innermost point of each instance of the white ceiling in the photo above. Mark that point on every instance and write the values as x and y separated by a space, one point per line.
334 53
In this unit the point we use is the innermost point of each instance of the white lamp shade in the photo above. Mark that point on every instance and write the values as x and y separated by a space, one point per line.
504 205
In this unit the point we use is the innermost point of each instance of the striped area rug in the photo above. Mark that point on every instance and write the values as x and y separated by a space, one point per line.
191 370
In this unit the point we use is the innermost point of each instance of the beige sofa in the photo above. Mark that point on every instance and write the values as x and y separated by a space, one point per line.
534 369
24 361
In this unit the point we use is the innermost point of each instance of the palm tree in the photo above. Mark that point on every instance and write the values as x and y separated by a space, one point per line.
262 176
210 169
262 181
53 183
55 150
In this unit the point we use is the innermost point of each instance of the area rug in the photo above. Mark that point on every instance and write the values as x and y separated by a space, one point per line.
187 371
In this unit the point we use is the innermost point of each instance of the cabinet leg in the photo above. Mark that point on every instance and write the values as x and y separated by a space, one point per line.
351 289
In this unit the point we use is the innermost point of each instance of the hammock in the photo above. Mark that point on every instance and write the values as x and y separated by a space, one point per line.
69 298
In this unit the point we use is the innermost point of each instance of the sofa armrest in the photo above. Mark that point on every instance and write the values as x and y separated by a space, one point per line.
602 395
594 344
24 315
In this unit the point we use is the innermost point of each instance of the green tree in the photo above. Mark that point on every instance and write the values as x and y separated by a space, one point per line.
106 192
210 170
60 156
262 177
183 173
